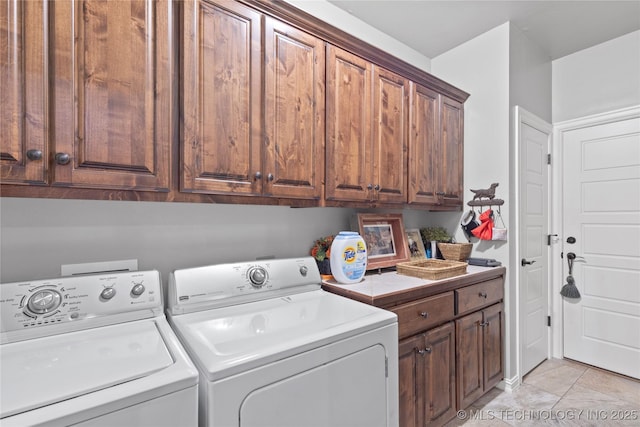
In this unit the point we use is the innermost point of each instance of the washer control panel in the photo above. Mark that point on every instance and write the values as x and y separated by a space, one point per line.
40 303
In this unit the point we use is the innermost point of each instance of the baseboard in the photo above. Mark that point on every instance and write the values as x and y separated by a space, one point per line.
509 384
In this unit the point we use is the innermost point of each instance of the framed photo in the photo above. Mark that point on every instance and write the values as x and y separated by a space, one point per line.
416 247
385 238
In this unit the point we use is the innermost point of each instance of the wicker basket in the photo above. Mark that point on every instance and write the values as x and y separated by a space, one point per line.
432 269
455 251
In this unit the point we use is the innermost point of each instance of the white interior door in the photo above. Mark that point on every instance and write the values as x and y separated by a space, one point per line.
534 139
601 210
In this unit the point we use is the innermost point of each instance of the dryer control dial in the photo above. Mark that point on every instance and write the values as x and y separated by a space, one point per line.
137 290
257 276
44 301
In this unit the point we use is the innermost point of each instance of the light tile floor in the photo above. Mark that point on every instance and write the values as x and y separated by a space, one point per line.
559 392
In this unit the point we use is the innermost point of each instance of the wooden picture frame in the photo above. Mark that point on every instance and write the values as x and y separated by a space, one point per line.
417 250
385 238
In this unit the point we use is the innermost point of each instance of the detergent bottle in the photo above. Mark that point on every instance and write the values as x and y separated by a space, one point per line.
348 257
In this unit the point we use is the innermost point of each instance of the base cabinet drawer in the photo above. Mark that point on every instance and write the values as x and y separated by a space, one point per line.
475 297
423 314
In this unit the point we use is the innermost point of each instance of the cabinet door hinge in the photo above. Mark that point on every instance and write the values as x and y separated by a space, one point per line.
549 158
549 236
548 320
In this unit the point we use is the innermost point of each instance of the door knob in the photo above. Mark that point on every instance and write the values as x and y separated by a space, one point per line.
524 262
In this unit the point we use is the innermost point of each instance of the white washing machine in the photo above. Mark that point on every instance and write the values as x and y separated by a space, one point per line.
92 351
274 349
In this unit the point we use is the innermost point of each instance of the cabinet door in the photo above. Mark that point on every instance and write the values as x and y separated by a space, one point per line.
390 119
348 152
493 334
424 141
440 374
411 378
221 72
23 79
294 112
469 363
113 113
451 151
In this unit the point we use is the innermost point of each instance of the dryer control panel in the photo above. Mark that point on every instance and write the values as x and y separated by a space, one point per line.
220 285
40 303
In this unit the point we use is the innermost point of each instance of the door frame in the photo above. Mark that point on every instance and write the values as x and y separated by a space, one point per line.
556 268
523 116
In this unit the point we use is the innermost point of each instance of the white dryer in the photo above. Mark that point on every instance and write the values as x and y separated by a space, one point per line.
92 351
274 349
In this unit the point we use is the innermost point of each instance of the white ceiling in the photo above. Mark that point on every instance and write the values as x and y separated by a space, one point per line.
432 27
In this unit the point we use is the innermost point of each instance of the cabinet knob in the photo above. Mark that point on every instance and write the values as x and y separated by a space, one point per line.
370 187
440 193
483 324
257 176
34 154
427 350
270 177
424 314
482 294
377 187
62 158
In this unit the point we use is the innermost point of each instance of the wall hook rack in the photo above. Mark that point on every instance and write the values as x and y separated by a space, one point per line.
493 202
486 197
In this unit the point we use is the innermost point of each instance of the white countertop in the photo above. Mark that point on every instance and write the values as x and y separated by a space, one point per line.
376 285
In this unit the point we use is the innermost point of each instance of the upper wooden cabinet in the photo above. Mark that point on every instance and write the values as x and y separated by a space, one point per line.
367 109
221 98
108 68
424 141
451 152
217 101
435 149
24 141
226 148
294 112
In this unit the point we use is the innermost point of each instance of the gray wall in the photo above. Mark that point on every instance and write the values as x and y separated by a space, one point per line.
599 79
39 235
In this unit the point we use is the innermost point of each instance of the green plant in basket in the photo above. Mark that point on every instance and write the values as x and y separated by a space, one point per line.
434 234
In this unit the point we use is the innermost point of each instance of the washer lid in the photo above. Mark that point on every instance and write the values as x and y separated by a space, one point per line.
47 370
233 339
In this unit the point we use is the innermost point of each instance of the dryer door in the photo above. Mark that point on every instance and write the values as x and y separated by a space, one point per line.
349 391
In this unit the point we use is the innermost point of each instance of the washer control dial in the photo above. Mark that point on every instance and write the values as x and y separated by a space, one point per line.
257 276
44 301
107 293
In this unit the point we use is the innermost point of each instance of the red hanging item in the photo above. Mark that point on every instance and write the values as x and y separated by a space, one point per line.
485 230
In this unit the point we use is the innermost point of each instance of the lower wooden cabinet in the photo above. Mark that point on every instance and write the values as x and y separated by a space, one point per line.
428 377
448 367
479 356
